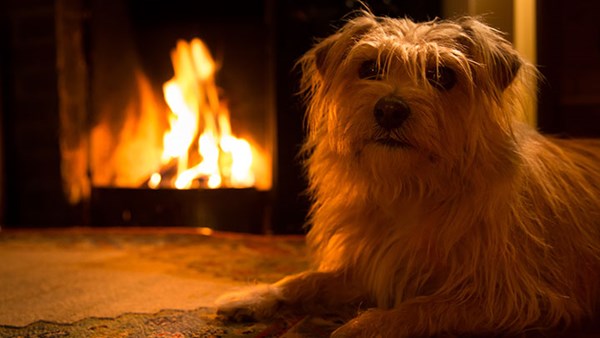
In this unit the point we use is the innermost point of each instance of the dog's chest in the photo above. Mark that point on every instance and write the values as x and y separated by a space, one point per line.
393 257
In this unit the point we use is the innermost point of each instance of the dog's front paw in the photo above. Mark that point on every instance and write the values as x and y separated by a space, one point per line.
254 303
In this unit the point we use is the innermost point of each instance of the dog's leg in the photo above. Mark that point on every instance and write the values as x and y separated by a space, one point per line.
307 292
421 319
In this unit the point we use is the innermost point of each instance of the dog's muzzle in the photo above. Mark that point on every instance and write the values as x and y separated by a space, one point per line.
391 112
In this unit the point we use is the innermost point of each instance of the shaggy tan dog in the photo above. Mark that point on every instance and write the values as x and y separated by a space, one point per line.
434 204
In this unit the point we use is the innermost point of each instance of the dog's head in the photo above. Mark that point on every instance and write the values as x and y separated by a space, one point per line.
397 97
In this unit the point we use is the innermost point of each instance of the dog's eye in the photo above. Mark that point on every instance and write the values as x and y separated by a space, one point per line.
369 70
442 78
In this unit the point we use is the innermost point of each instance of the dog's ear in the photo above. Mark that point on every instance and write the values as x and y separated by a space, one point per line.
487 47
334 49
321 50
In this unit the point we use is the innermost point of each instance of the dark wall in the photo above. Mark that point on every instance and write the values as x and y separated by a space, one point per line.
30 115
569 59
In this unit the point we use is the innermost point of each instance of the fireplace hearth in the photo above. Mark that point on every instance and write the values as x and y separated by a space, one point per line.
235 210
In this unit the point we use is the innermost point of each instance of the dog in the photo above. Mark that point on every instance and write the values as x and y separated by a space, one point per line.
436 209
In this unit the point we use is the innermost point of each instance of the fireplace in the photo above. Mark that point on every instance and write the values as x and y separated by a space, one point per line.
87 112
182 128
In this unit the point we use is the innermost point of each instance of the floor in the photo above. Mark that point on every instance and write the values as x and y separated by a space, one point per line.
135 282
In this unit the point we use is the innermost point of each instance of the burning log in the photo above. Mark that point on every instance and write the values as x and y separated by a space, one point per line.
168 175
163 178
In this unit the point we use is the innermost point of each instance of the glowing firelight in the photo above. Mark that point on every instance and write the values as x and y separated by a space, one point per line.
199 144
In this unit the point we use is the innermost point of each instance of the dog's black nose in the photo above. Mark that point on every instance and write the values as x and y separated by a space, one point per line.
391 112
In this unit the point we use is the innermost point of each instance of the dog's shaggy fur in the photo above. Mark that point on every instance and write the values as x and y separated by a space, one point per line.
434 203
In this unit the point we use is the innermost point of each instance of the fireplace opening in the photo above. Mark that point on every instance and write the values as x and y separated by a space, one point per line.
182 118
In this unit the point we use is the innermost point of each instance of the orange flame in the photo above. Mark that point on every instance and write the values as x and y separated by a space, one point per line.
200 142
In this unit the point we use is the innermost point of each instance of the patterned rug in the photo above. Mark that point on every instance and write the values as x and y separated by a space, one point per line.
173 324
140 282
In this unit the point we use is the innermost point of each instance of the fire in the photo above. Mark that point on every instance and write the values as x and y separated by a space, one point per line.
199 148
181 139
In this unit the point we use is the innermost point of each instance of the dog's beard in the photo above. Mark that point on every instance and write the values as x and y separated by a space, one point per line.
393 140
392 157
396 143
386 152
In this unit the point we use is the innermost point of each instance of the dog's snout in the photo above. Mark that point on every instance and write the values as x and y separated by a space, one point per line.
391 112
